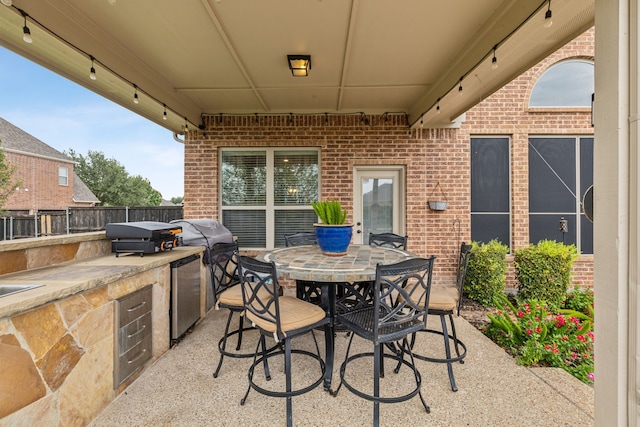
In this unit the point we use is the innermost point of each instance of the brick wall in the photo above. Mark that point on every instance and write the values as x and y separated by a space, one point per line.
431 156
506 113
40 189
346 141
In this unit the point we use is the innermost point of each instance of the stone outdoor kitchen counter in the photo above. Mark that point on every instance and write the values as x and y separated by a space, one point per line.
57 341
63 280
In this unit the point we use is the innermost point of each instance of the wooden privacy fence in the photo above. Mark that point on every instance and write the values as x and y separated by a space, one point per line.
18 225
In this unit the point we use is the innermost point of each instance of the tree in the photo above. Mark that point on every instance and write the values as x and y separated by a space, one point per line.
111 183
177 200
8 183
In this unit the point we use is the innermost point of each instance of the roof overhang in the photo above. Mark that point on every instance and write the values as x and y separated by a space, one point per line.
211 57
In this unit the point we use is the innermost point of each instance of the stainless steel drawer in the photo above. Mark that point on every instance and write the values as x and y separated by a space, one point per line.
134 332
135 305
130 361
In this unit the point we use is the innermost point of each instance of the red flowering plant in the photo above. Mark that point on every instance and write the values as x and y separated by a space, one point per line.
537 337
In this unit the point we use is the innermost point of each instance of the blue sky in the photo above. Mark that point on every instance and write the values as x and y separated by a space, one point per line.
67 116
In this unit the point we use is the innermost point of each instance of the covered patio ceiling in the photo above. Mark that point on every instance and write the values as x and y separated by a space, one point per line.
212 57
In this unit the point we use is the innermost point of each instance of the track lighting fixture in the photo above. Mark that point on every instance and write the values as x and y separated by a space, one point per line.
92 71
135 94
547 16
494 60
26 33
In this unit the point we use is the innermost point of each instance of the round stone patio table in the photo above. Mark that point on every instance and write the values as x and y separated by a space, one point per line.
308 263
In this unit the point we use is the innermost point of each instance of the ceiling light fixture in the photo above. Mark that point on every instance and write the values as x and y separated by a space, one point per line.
438 106
494 61
26 33
164 115
6 2
92 71
460 87
547 16
299 65
186 125
135 94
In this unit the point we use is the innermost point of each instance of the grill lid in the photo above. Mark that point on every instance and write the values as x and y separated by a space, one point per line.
141 230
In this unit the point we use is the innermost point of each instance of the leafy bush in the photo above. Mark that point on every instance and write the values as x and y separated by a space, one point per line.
537 337
544 271
486 272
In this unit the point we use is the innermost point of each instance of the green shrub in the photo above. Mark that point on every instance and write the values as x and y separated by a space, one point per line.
486 272
544 271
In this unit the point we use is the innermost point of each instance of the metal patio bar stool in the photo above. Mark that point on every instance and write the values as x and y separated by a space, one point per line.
444 302
283 318
389 318
227 293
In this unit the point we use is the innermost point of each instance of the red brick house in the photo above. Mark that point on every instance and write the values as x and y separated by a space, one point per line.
347 152
47 176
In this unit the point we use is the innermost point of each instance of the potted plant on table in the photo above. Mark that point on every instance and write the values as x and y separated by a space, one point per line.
332 234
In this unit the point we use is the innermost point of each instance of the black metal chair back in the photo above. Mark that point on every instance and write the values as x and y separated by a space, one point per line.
260 292
223 258
300 238
461 271
390 240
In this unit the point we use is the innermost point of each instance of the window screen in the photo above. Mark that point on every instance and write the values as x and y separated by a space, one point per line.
490 208
560 172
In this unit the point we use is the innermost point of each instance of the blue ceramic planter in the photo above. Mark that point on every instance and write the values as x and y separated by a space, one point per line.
333 239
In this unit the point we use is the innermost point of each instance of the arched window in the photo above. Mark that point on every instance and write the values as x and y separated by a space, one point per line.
565 84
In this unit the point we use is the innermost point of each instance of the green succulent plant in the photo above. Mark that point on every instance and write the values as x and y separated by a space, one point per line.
330 212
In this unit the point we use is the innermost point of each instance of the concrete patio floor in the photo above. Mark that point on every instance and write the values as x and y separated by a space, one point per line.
179 389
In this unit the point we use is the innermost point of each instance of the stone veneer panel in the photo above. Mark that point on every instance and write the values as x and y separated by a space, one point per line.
58 362
73 308
43 413
49 255
13 261
41 328
89 388
21 384
97 297
95 326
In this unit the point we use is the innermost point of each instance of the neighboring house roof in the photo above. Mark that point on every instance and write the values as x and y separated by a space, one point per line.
81 193
167 203
14 139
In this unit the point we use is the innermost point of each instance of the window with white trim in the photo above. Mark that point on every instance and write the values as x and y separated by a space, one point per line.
267 193
63 175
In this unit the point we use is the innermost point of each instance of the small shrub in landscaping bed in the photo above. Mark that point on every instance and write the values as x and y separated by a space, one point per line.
486 272
544 271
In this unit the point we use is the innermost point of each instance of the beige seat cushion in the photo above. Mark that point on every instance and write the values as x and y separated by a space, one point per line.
443 298
233 296
294 314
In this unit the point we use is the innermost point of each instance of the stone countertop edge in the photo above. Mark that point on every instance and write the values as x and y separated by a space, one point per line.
81 276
